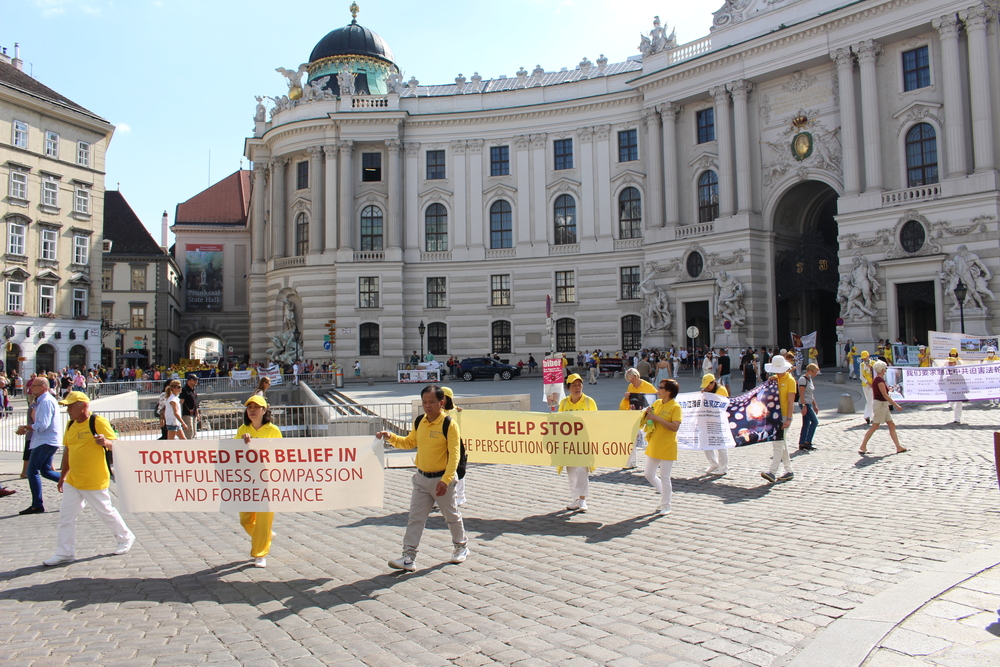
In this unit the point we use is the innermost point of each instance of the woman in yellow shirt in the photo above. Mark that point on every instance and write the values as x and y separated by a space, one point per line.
578 476
257 424
662 449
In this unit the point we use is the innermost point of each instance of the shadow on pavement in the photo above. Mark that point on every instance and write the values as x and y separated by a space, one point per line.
553 523
727 492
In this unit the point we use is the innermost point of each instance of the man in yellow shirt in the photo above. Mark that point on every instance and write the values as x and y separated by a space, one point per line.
85 478
438 444
780 367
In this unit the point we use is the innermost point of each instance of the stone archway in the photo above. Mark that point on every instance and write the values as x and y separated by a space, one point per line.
205 345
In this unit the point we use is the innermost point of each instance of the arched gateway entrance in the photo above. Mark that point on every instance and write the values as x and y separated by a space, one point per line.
806 266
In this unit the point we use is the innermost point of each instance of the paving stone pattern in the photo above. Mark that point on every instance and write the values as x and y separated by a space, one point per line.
742 573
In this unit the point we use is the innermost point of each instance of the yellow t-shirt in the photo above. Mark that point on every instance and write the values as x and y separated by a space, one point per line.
720 390
644 388
585 403
88 467
866 373
662 441
434 452
266 431
925 358
786 386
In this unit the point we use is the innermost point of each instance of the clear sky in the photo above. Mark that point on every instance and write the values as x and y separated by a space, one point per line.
178 77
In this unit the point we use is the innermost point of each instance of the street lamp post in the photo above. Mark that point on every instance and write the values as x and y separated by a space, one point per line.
960 293
421 328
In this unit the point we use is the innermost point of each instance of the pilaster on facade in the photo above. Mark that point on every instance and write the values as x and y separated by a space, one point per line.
868 52
411 237
542 226
977 20
395 232
740 91
724 140
317 187
654 167
844 59
461 192
278 206
476 221
602 133
346 247
257 224
956 161
330 198
671 189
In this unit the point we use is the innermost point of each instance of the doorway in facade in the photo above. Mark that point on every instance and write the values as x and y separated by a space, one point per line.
696 314
45 359
915 311
206 348
13 352
806 267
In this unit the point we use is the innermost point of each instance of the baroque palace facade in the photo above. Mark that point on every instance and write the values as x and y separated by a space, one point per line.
802 163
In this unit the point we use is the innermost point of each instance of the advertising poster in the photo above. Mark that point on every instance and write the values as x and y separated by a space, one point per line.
203 276
552 382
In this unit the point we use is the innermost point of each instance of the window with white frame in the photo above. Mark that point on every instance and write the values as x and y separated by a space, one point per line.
81 249
50 192
18 184
20 134
83 153
46 299
80 297
107 278
138 318
51 144
437 296
82 203
368 292
500 290
138 278
49 240
565 286
15 296
15 239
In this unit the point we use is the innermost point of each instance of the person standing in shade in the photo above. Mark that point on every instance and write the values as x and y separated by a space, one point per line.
807 402
437 462
257 424
44 442
956 406
262 387
724 368
865 372
781 368
189 406
749 366
578 476
718 459
881 414
661 452
851 356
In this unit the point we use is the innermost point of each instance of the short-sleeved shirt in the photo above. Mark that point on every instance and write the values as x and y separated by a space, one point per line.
585 403
168 410
88 466
786 386
662 442
266 431
189 400
808 390
876 391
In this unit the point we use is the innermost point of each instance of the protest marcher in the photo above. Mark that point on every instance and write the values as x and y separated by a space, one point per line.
578 476
173 420
781 368
718 459
85 478
956 406
724 363
882 414
257 424
636 385
661 452
852 356
924 357
437 463
807 402
865 372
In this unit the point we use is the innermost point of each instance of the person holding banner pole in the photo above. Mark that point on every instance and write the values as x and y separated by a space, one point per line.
956 406
781 368
881 413
718 459
257 424
665 415
578 476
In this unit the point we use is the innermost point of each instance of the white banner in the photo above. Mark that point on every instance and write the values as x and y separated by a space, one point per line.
269 475
704 422
970 348
240 375
803 342
938 384
418 376
273 373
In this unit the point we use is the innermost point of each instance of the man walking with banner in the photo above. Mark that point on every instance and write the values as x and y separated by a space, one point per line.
780 367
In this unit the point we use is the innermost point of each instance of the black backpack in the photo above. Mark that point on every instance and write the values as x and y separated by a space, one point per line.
463 457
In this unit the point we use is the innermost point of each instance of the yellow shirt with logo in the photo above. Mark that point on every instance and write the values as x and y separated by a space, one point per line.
786 386
88 467
266 431
924 358
434 452
662 441
585 403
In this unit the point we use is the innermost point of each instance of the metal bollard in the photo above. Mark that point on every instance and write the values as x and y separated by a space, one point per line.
838 378
846 405
371 382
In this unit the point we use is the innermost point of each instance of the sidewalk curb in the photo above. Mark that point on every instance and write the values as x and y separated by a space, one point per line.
848 641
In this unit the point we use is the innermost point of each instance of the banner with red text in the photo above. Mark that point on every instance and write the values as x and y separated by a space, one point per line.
268 475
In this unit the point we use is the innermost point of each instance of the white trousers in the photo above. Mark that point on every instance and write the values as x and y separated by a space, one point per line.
779 456
956 407
718 460
579 481
73 502
592 377
662 483
869 402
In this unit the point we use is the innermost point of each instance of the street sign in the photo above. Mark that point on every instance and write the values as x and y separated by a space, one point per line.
840 321
326 338
693 332
727 325
346 331
326 345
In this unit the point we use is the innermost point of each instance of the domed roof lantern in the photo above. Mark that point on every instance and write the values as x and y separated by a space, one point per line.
352 40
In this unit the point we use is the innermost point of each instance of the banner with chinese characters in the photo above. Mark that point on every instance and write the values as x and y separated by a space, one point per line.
705 422
937 384
203 276
970 348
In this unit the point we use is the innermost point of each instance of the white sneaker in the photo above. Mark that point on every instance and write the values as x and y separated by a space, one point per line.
58 560
718 473
404 562
260 561
460 554
583 505
575 505
710 470
664 511
125 545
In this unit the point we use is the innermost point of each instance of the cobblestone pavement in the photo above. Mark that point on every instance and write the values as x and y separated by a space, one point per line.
742 573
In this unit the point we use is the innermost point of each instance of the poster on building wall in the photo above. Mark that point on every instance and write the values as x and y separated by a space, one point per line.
203 277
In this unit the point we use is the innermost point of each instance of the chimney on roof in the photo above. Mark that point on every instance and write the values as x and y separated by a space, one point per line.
17 62
4 58
163 231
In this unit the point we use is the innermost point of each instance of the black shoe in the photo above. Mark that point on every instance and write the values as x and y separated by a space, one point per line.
806 447
33 510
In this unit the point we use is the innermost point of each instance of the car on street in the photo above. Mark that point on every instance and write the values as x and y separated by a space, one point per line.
484 367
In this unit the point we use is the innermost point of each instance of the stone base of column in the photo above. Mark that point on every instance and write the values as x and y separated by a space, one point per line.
345 254
864 333
977 322
660 340
735 340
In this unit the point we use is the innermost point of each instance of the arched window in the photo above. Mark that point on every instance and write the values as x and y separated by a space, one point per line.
436 228
566 335
371 228
501 337
501 225
921 156
708 197
565 217
631 332
301 233
368 339
45 358
78 357
437 338
629 214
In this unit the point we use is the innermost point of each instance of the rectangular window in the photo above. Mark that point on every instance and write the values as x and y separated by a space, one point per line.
371 167
499 160
80 303
436 293
82 203
81 250
563 150
20 138
83 154
107 279
500 290
51 145
138 278
565 287
435 165
46 299
301 175
106 312
916 69
368 292
630 282
15 297
628 145
138 319
15 239
706 125
50 192
18 184
49 240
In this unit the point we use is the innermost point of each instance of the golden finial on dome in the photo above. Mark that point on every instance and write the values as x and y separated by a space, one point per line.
354 12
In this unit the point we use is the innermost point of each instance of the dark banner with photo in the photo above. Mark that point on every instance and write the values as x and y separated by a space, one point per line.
203 276
756 415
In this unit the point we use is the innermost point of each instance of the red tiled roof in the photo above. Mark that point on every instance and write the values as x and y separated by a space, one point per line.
225 203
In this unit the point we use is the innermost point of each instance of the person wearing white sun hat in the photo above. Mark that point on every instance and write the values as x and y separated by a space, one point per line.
781 368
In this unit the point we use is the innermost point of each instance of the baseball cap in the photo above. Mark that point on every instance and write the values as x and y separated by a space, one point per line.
573 378
448 392
75 397
191 376
707 379
256 400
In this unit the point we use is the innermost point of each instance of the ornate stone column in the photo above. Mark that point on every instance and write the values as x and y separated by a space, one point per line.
461 193
724 141
671 189
347 177
868 52
954 101
394 237
259 229
602 134
741 125
278 207
848 120
977 20
411 237
316 187
330 199
654 168
473 224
